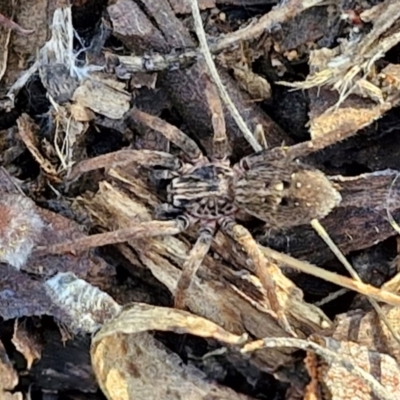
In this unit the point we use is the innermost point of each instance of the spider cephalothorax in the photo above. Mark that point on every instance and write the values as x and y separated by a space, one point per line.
205 191
210 191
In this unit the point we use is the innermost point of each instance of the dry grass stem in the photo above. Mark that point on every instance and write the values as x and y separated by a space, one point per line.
367 290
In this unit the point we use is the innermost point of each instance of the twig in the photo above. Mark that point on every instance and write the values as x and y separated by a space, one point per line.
217 80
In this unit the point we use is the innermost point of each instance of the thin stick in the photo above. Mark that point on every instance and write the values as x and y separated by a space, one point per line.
217 80
331 297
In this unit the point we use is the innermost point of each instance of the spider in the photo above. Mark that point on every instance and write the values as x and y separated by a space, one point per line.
210 192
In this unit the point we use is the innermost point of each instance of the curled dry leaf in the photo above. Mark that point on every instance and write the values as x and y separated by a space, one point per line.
127 361
140 317
130 364
137 367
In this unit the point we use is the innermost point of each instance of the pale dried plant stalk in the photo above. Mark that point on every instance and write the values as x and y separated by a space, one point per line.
217 80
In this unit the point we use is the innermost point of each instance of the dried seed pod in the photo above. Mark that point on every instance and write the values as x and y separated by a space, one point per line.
20 226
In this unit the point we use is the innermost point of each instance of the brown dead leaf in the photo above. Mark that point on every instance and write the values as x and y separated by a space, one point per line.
27 344
128 362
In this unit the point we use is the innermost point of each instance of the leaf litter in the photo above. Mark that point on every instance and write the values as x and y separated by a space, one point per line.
86 92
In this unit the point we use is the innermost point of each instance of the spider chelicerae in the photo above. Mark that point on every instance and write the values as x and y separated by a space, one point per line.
210 192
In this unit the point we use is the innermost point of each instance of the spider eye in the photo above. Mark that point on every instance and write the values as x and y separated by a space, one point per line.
244 164
284 202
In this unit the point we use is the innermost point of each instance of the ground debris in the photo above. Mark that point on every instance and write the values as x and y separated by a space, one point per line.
109 114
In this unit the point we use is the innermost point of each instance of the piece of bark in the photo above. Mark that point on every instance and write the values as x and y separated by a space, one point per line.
64 365
310 26
24 295
103 96
172 28
366 199
134 29
187 95
183 7
22 49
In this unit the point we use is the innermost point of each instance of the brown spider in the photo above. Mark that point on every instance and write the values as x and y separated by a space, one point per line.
210 192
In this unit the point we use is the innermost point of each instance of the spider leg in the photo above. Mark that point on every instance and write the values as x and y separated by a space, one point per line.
242 236
172 133
220 140
139 230
9 24
122 157
192 263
